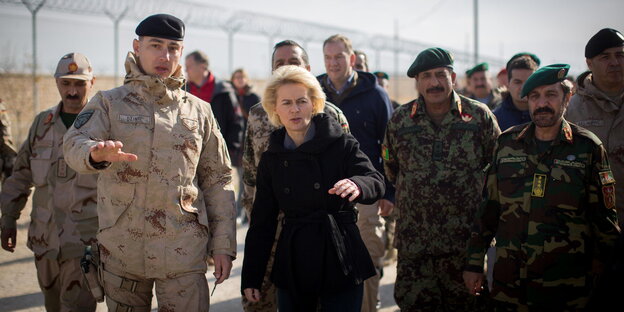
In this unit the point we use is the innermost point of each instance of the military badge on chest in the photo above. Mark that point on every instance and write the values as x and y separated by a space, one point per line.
539 185
82 119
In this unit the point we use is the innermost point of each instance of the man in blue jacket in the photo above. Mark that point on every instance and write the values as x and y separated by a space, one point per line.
514 110
368 110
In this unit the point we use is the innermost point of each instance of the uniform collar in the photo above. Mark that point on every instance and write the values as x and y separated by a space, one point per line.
565 133
589 89
418 107
163 89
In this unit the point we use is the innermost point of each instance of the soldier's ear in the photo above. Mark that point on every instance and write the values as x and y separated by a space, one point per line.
135 46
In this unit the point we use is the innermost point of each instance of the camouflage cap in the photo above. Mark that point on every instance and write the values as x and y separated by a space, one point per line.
478 68
517 55
381 75
545 76
161 26
74 66
604 39
429 59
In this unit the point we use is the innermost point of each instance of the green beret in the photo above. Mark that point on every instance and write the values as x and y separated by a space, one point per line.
545 76
429 59
517 55
479 68
604 39
381 75
163 26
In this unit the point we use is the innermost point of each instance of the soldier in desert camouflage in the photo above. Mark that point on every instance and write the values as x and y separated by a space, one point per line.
7 149
259 129
166 202
64 215
436 148
550 204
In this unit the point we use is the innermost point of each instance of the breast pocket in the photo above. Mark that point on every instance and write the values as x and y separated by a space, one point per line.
40 163
567 187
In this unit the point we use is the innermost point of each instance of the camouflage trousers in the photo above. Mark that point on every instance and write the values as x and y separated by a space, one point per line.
63 286
371 227
129 292
432 283
268 292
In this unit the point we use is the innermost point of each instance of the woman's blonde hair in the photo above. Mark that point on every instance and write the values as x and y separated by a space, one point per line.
291 74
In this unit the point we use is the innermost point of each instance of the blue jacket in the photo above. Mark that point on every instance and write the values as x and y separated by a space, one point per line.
508 115
368 109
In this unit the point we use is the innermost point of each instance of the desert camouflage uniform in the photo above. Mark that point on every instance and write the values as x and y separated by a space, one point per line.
438 175
552 214
590 108
7 148
162 215
256 142
64 215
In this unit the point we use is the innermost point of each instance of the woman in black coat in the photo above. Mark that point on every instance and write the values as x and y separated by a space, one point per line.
314 174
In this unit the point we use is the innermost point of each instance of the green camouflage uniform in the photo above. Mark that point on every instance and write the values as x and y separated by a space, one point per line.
256 142
438 174
552 214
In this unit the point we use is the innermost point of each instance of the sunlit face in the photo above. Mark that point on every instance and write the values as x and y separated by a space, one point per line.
294 107
157 56
608 67
288 55
338 61
195 71
480 84
436 85
74 93
239 80
547 105
360 63
518 77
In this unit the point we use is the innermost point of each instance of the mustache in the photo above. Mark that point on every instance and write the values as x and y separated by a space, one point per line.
480 86
72 97
434 89
544 110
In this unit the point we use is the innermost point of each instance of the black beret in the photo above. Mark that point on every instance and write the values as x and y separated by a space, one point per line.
478 68
545 76
161 26
604 39
517 55
429 59
381 75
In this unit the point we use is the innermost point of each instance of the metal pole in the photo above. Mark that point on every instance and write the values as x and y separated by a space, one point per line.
476 31
116 20
33 12
230 52
377 59
396 59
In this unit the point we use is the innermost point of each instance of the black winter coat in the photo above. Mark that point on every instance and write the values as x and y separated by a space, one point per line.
320 249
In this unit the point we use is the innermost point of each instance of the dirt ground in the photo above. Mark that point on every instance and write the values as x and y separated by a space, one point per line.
19 290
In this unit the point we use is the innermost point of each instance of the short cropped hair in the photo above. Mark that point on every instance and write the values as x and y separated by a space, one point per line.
522 62
291 74
199 57
340 38
304 54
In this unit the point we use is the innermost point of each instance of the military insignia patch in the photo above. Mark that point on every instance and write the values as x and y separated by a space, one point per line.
48 119
466 117
606 177
189 123
539 185
570 157
135 119
569 163
72 67
385 154
561 73
82 119
516 159
414 109
608 193
61 168
568 133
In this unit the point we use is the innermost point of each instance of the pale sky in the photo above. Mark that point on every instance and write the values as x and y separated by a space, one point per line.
556 31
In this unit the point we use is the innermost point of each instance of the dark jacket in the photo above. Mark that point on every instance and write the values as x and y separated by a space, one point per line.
296 182
247 99
368 109
508 115
226 110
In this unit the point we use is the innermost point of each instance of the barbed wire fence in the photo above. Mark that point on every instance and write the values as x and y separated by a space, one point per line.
231 22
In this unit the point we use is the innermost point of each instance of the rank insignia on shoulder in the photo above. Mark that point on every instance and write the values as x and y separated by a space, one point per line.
82 119
606 177
48 119
385 153
539 185
608 193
